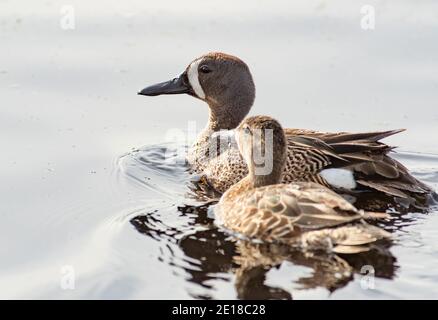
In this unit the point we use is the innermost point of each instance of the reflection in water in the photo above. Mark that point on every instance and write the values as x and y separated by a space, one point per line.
255 260
209 254
216 253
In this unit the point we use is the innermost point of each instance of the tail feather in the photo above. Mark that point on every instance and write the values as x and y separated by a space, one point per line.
385 189
364 136
346 238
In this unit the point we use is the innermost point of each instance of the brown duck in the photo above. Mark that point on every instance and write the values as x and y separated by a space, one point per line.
304 214
344 162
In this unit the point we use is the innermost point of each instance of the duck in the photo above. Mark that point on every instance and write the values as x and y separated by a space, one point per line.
348 163
302 215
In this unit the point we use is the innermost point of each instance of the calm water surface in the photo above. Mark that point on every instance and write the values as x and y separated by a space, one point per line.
89 181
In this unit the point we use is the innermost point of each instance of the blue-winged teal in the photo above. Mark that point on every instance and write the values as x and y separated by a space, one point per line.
304 214
344 162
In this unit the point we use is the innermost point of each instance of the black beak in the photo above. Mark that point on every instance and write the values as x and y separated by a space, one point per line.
175 86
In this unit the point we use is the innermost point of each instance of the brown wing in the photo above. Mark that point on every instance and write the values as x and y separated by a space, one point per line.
316 207
299 207
307 156
284 213
338 149
361 152
343 137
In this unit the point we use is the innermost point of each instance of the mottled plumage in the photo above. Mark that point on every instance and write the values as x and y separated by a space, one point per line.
309 153
225 83
303 214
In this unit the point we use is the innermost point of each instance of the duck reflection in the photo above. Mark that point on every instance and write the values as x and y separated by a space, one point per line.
250 262
217 253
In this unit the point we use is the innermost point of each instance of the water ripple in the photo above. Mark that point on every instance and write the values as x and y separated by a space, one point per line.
192 248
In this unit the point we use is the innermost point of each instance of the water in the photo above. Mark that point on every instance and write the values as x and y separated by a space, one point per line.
215 265
84 188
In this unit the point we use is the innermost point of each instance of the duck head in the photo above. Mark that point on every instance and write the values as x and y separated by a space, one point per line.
262 143
223 81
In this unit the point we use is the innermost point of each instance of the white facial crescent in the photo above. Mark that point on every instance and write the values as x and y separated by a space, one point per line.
192 74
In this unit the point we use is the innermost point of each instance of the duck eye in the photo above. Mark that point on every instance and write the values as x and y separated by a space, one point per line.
204 69
247 131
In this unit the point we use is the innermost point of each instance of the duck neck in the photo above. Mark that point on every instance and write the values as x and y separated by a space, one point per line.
271 169
221 118
265 180
225 117
250 182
